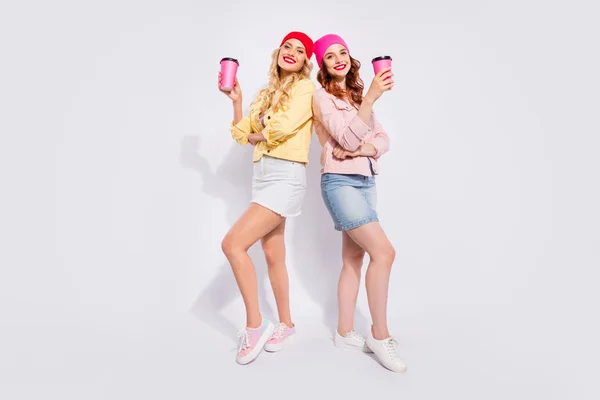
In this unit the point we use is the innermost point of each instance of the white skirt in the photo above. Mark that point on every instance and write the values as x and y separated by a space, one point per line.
279 185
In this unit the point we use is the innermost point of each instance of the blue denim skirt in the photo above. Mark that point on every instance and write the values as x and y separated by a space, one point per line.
350 199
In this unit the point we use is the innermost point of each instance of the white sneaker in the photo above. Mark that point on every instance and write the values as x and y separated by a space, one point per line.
351 340
385 350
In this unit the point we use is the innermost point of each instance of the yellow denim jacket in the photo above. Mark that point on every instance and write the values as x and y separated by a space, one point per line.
287 131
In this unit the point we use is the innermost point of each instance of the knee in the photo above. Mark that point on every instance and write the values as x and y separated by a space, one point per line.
385 254
229 246
354 260
274 255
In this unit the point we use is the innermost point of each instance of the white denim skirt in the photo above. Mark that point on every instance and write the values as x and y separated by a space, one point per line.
279 185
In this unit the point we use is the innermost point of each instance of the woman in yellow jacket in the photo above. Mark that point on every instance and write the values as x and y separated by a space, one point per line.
280 127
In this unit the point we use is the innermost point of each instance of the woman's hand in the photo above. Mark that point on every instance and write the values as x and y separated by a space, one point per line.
341 153
235 94
382 82
254 138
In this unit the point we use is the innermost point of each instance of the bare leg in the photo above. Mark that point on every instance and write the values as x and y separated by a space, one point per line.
373 240
273 245
254 224
349 283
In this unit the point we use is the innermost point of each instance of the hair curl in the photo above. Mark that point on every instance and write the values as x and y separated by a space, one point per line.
277 94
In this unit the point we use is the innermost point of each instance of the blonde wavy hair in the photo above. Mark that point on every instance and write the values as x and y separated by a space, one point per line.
277 94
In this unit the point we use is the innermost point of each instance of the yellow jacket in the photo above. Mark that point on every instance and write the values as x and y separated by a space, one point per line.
287 131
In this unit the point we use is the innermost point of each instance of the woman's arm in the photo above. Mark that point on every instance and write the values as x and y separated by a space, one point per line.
349 135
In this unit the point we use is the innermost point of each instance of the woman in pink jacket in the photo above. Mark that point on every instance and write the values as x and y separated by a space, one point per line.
353 140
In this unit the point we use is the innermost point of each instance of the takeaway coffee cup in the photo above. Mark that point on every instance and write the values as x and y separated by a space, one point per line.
229 67
380 63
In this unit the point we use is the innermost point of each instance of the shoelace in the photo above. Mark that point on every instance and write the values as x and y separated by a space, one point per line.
390 345
279 331
244 334
356 335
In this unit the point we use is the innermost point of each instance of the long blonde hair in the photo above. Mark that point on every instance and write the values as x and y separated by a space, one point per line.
277 94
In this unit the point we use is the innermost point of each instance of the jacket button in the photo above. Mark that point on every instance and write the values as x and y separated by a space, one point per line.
268 117
268 151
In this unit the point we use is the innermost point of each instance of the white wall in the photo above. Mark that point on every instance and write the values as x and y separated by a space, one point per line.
120 179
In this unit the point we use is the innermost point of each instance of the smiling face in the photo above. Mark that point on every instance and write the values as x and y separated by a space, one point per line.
337 61
292 56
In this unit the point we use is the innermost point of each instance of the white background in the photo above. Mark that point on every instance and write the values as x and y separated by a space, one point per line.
119 180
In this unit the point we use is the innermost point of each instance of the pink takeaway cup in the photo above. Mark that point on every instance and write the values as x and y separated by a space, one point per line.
229 67
380 63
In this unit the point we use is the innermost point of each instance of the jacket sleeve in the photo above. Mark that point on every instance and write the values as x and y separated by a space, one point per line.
241 130
381 140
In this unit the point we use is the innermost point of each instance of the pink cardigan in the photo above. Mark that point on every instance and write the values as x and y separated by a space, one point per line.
336 121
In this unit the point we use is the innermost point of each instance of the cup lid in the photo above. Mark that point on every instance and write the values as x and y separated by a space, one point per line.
229 59
381 58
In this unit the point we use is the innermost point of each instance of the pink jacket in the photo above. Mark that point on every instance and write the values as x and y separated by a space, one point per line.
336 121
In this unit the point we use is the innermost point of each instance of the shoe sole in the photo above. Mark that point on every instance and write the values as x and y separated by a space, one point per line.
272 348
344 346
259 346
400 370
